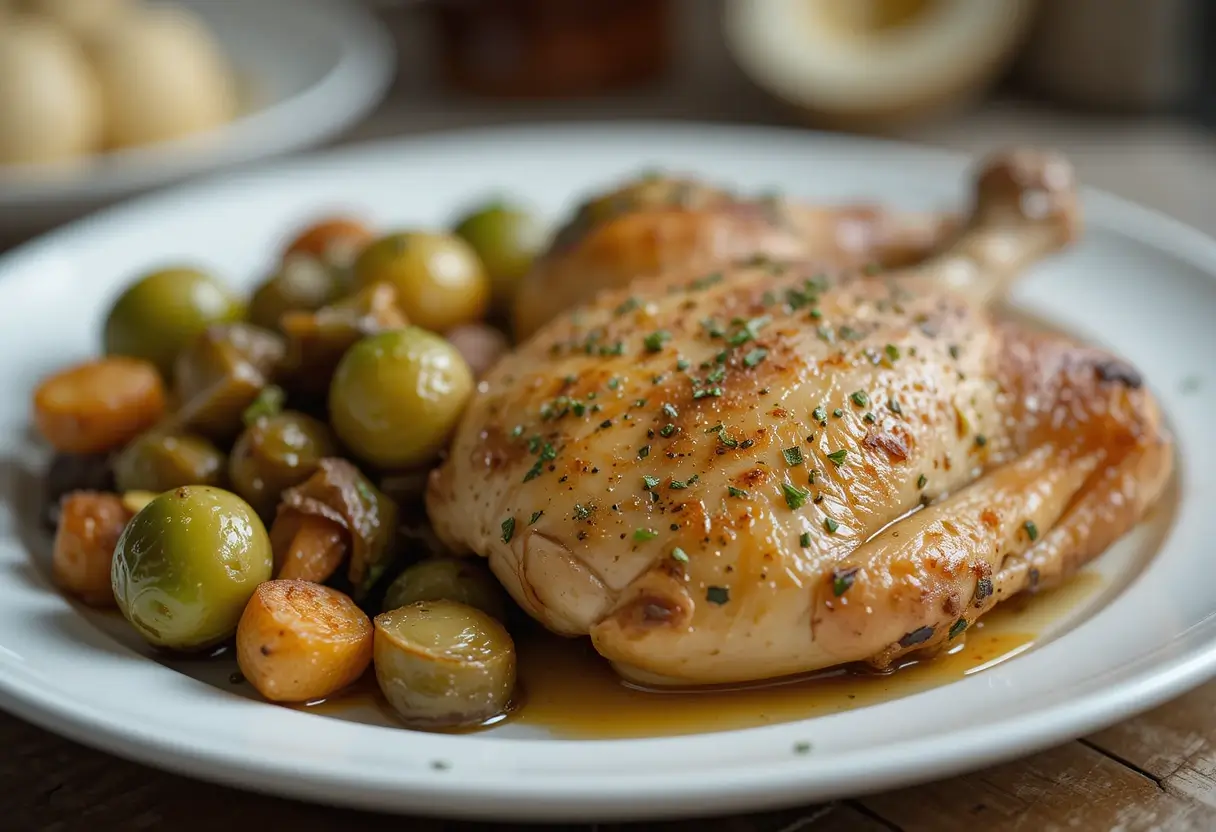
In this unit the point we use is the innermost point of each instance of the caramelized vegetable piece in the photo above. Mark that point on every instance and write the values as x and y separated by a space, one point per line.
187 565
439 279
464 580
442 664
299 641
396 397
163 311
90 524
339 493
481 345
68 473
100 405
337 240
221 373
302 283
136 500
507 239
275 453
316 341
157 462
313 552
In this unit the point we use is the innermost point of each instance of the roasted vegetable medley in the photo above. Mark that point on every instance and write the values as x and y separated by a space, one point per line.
249 471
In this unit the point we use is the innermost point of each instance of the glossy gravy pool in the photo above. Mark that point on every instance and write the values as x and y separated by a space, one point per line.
568 691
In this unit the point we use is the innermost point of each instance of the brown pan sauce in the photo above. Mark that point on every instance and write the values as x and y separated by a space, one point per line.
567 690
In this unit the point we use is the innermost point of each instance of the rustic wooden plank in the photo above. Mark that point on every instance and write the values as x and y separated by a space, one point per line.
49 783
1067 788
1175 744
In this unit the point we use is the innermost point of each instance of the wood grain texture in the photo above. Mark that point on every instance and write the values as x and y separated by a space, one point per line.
1071 787
1174 744
49 783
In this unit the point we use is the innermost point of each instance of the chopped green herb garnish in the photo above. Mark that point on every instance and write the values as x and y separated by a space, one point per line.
795 497
980 440
958 628
842 579
892 352
860 398
614 383
681 364
1032 531
678 554
819 414
869 418
649 482
954 350
825 334
716 375
735 492
667 430
705 282
838 457
838 413
628 306
717 595
517 431
802 748
983 589
582 512
712 392
536 515
848 333
679 485
830 525
805 539
655 340
508 529
643 452
793 456
894 406
642 535
669 411
712 328
269 402
748 331
755 357
922 481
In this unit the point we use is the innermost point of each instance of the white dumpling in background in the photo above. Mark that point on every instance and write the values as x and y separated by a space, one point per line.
162 77
49 100
82 18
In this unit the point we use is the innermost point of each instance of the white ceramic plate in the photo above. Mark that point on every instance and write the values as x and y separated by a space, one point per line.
311 68
1138 282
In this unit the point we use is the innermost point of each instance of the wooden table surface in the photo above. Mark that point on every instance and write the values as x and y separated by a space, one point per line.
1154 772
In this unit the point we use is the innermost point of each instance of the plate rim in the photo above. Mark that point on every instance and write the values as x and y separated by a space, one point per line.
609 797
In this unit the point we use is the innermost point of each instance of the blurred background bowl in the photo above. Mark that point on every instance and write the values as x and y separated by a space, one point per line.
305 71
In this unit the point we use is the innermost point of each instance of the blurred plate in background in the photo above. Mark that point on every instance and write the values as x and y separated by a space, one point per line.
309 69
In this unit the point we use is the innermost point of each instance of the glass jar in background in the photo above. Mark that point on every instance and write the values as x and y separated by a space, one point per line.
552 48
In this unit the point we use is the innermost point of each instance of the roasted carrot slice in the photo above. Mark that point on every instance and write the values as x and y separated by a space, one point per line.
99 405
299 641
90 524
334 239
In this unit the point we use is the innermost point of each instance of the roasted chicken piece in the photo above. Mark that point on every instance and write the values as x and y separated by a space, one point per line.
655 224
769 468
